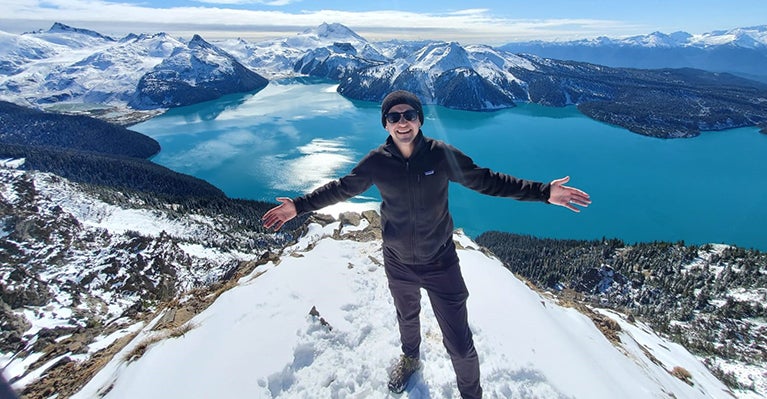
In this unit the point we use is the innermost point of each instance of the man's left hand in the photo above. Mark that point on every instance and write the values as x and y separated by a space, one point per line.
566 196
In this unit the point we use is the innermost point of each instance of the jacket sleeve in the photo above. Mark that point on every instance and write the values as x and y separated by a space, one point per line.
464 171
356 182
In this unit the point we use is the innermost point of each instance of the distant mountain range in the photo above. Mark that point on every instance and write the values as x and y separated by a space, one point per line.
741 51
75 70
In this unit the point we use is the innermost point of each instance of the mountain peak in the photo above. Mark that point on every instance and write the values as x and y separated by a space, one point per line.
443 56
198 42
58 27
324 35
334 31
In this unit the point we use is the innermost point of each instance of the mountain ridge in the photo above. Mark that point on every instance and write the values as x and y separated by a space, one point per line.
756 35
739 51
172 73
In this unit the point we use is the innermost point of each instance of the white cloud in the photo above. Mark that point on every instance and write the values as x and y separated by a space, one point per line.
274 3
469 25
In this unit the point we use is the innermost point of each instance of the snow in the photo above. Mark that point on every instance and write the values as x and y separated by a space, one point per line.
441 57
67 67
641 337
12 163
116 220
258 339
103 342
757 295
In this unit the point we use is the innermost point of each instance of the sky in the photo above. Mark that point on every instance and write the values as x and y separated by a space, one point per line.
486 22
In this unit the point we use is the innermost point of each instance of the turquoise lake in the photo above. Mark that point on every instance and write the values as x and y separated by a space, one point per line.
292 137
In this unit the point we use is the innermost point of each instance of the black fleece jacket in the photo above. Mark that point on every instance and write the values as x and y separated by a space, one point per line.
415 219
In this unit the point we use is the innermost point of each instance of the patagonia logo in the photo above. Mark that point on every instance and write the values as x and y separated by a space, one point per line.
428 173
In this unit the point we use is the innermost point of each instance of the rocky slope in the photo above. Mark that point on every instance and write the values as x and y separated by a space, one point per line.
708 298
82 261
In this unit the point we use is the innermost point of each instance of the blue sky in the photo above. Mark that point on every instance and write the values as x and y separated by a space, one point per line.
488 22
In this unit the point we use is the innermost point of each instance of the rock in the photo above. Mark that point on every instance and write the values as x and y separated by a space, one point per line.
373 218
350 218
12 327
321 219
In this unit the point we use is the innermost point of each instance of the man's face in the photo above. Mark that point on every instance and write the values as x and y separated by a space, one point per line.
403 132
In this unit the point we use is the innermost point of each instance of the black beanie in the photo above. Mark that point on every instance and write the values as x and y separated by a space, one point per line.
401 97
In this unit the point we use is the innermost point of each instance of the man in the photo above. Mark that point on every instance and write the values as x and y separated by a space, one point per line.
412 173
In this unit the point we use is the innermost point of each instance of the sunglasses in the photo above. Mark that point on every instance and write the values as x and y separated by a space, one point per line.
394 117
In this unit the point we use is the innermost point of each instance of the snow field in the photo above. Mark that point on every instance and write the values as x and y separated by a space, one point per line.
259 341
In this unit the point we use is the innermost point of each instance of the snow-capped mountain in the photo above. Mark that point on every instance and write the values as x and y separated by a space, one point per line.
72 37
271 59
123 64
474 78
123 301
337 61
329 50
72 69
18 50
751 37
741 51
199 72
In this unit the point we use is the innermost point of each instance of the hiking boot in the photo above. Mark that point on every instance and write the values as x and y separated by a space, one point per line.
401 373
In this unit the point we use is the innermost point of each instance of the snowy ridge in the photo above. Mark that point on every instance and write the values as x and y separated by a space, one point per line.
73 37
259 340
272 59
17 50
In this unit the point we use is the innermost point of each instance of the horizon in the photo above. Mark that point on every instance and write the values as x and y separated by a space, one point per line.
487 22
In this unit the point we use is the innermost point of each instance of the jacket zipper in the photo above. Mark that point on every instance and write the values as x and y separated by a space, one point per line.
411 207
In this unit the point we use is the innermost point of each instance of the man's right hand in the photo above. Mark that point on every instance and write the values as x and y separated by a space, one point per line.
280 214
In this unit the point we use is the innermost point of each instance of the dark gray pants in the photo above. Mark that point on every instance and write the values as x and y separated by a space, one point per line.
447 292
